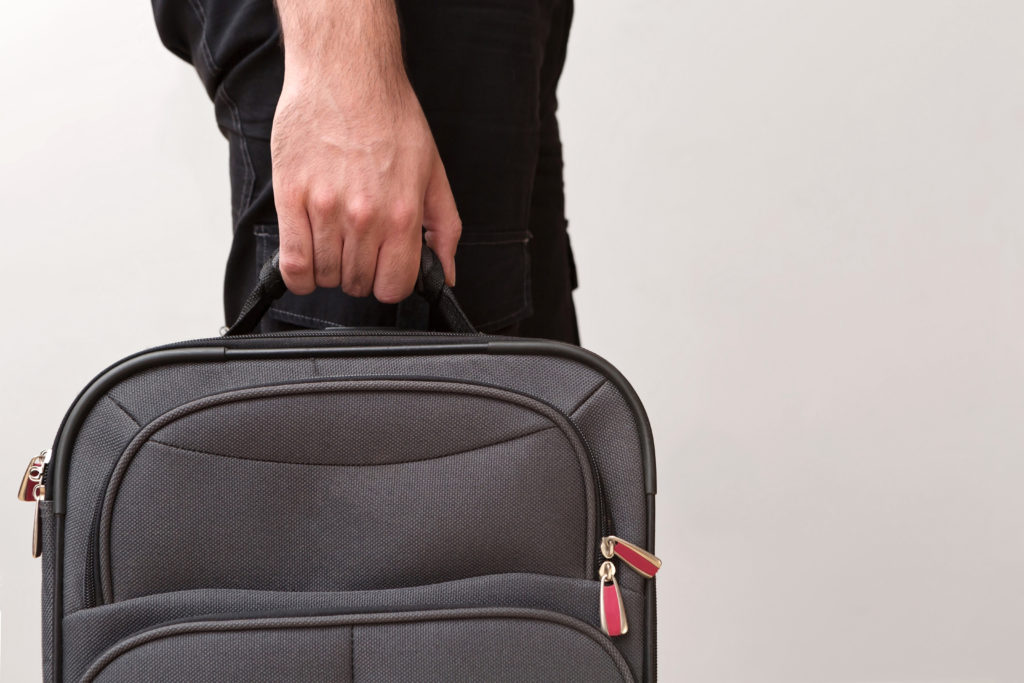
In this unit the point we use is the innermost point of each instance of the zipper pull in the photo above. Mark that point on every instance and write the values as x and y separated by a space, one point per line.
37 533
645 563
32 488
613 612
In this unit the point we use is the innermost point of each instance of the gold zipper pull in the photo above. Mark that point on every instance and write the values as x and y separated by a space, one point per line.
613 612
37 533
645 563
32 488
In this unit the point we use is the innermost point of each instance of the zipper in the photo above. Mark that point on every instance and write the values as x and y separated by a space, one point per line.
291 619
613 611
33 490
93 589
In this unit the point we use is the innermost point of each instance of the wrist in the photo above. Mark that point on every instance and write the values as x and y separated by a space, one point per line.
351 44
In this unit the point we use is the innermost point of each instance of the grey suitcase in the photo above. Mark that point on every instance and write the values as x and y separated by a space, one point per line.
350 505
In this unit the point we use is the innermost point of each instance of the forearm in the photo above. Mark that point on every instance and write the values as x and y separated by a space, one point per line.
354 44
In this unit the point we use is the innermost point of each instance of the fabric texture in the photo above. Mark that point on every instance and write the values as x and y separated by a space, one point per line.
486 77
392 479
46 523
96 630
441 645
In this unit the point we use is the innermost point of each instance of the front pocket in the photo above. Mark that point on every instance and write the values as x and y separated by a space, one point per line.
347 485
444 645
505 627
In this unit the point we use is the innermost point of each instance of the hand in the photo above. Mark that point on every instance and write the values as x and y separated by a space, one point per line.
356 172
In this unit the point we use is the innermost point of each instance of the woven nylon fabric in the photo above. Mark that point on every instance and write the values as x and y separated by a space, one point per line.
515 506
148 394
482 650
601 418
443 645
561 382
363 424
257 655
104 436
46 529
565 384
88 633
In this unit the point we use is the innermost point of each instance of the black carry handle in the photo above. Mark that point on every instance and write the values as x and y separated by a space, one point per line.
430 285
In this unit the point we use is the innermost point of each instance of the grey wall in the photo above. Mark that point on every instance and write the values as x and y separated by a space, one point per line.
799 232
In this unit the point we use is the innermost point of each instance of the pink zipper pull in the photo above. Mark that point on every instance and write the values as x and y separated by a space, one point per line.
613 612
646 564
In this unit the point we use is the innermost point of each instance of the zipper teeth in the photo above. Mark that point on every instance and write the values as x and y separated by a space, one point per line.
603 519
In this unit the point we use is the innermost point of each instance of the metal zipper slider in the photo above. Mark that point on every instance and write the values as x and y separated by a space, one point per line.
32 488
613 612
645 563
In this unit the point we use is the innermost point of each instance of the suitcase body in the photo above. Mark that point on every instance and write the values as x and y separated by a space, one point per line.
351 505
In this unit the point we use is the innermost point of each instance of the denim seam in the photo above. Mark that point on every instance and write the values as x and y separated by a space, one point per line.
250 172
200 13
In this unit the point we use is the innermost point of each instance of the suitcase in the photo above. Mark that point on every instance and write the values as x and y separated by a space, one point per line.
349 505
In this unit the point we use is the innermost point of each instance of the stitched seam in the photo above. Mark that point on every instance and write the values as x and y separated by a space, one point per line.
352 653
382 464
589 396
151 429
124 410
213 624
511 318
215 70
304 318
245 200
200 13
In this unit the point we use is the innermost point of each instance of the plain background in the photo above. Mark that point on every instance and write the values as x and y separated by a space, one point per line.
799 232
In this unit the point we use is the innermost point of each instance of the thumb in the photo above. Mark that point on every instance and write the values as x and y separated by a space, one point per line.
441 220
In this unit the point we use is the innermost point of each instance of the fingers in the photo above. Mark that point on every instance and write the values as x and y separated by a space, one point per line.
296 245
358 265
380 250
366 245
323 210
397 267
441 220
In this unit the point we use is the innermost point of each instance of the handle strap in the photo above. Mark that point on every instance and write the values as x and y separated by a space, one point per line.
430 285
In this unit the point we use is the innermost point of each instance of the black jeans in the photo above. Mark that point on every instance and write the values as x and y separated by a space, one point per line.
485 74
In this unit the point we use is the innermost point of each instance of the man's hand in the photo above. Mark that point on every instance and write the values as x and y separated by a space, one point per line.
355 169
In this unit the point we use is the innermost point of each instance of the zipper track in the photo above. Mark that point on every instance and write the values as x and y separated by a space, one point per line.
220 623
603 522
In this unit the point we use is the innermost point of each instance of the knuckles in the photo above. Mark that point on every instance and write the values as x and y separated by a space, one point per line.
323 203
403 215
356 286
359 213
295 271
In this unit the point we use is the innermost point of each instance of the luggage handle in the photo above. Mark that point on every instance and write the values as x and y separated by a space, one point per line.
430 285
